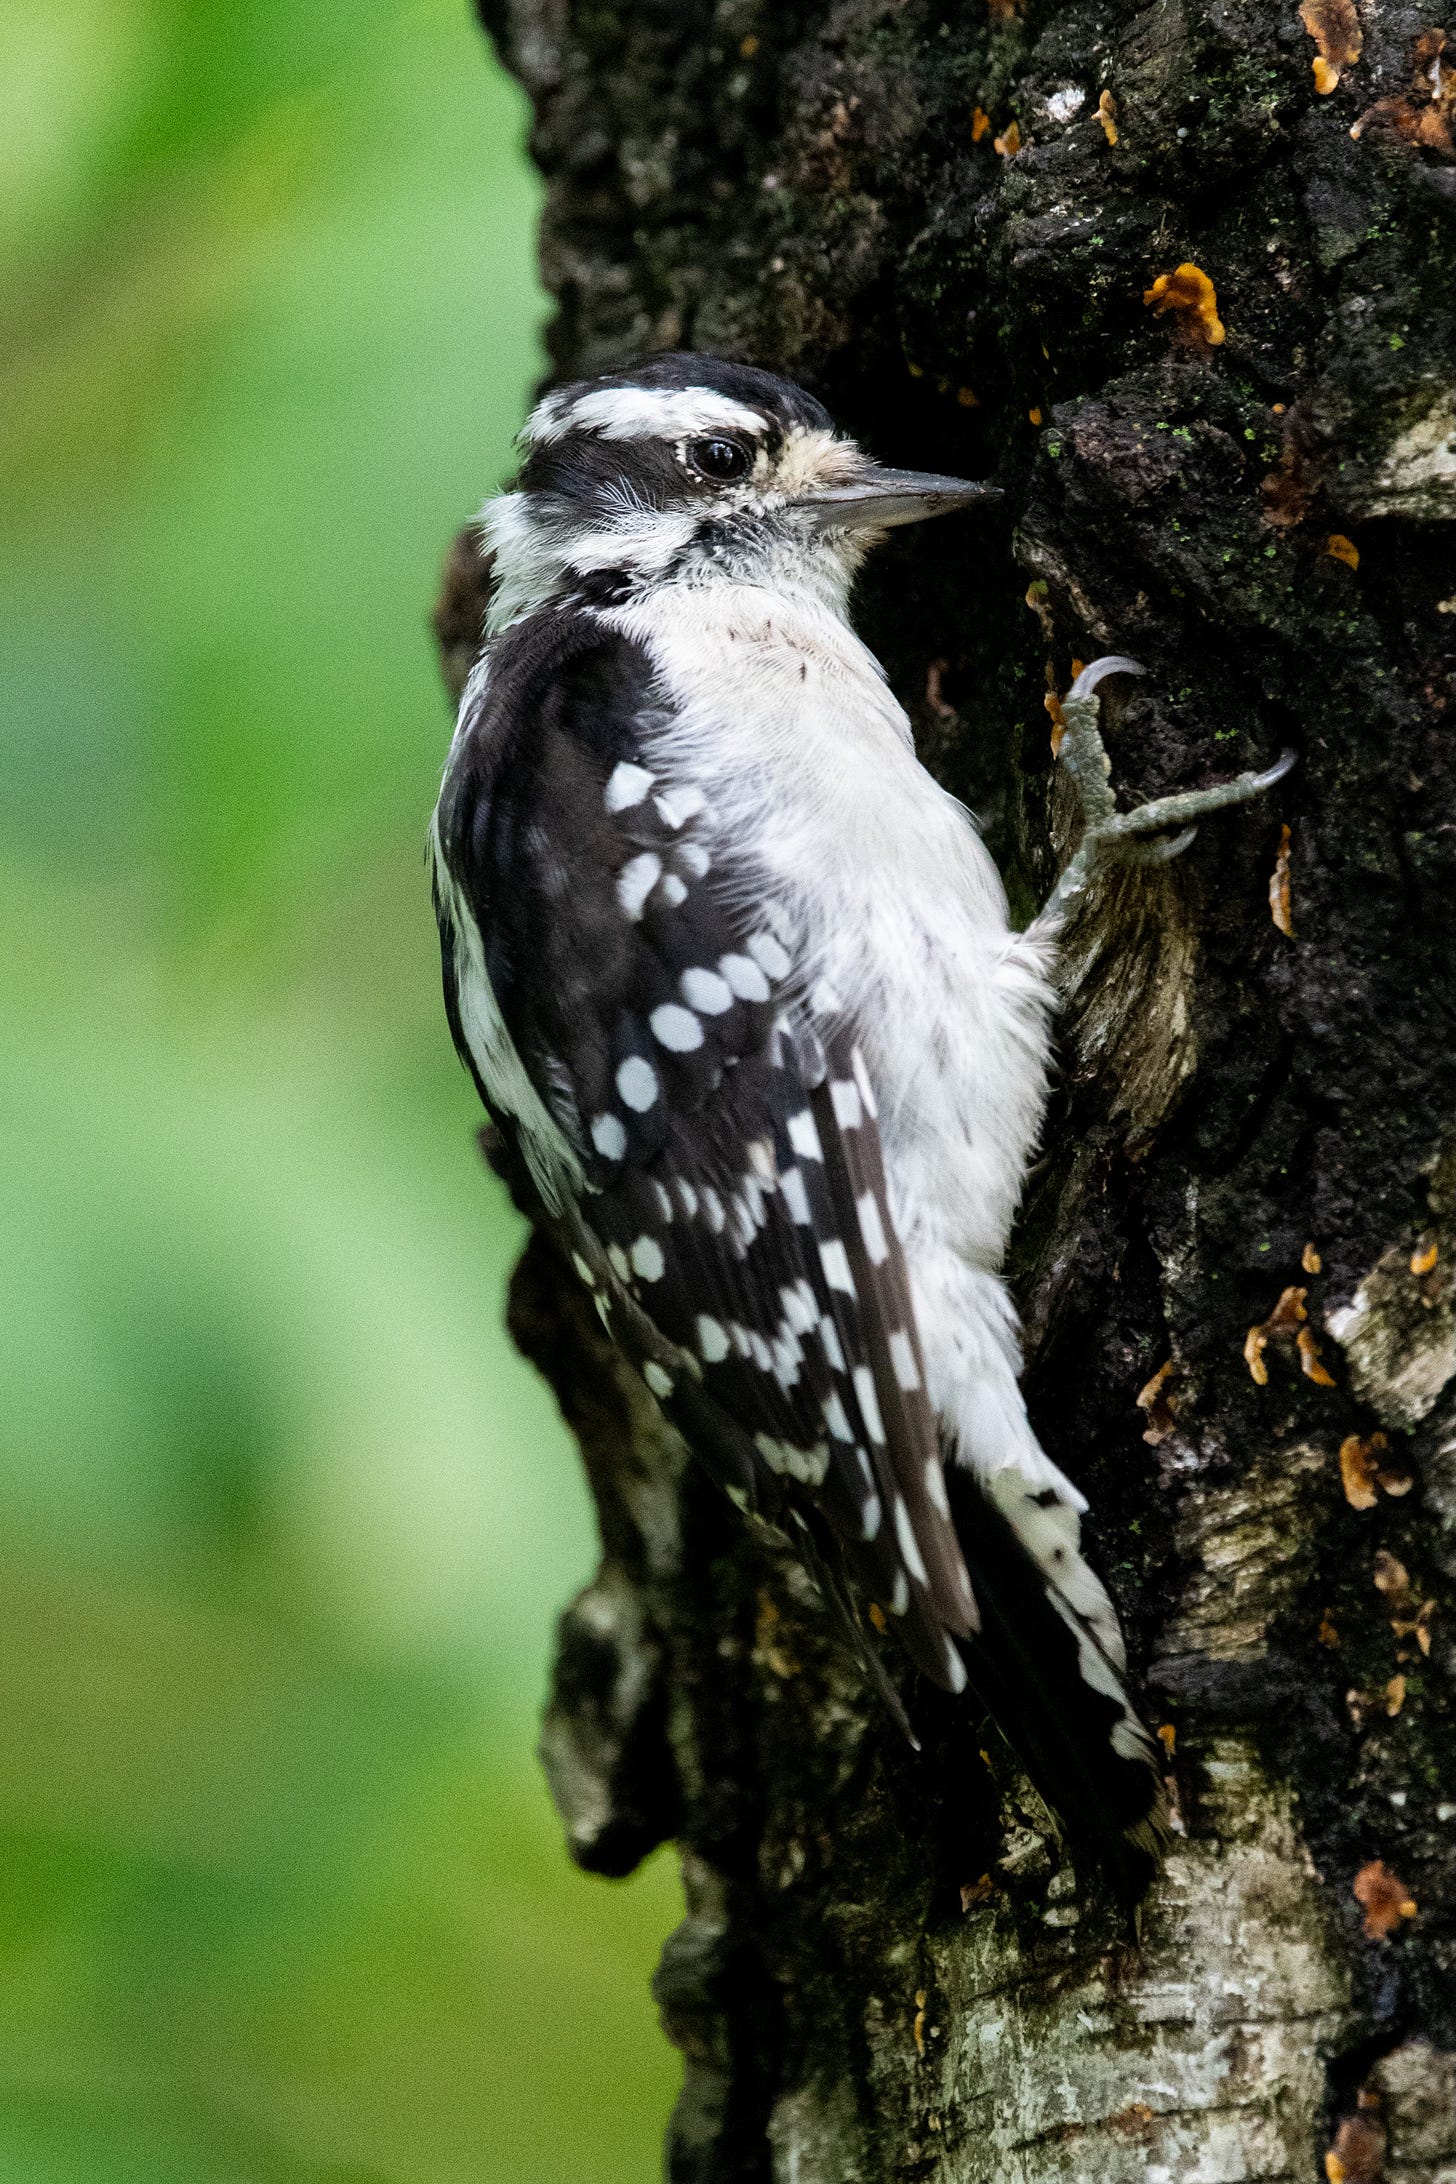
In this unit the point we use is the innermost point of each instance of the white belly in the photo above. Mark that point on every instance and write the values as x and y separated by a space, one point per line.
785 719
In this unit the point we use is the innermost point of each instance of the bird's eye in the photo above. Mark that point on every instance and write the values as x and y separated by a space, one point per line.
720 460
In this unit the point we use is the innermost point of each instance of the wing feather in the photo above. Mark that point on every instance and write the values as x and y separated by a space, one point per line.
710 1138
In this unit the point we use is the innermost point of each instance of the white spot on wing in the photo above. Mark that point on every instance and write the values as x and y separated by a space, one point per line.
609 1135
872 1228
761 1160
800 1310
810 1464
902 1357
770 955
647 1259
712 1339
627 786
636 880
869 1403
835 1418
848 1107
706 992
835 1261
658 1379
745 977
676 1028
676 806
866 1089
637 1083
804 1136
796 1198
909 1545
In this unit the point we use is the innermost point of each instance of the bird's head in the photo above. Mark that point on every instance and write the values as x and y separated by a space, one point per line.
684 469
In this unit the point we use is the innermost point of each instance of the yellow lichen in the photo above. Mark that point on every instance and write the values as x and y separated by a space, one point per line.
1357 1471
1279 887
1288 1313
1189 294
1423 117
1335 29
1309 1359
1384 1900
1159 1405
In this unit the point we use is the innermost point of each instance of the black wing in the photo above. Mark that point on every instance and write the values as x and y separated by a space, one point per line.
709 1136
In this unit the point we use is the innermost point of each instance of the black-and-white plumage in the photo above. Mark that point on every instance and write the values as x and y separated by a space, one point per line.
736 975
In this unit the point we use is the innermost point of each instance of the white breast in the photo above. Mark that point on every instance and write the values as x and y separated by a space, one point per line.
784 718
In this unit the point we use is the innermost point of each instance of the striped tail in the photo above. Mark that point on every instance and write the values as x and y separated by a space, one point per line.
1047 1666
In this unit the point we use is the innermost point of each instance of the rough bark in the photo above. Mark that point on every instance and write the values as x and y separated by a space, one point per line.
888 1969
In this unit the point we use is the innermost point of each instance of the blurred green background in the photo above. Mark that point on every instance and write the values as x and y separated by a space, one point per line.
283 1522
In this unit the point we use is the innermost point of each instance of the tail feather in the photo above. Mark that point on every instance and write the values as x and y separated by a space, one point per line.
1042 1666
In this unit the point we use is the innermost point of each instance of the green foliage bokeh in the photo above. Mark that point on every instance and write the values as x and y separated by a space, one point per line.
283 1521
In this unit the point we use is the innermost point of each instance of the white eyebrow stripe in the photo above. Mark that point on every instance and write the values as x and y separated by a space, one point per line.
633 413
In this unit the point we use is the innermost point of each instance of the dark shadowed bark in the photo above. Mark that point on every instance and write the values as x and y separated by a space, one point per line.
1235 1264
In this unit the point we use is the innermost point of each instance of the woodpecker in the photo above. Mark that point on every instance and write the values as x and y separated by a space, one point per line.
736 978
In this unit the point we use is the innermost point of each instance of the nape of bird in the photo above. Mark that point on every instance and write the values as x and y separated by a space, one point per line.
735 976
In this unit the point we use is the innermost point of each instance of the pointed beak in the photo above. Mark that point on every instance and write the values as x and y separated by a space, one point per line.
880 498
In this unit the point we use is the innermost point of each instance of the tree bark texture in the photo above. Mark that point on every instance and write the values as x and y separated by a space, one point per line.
1235 1263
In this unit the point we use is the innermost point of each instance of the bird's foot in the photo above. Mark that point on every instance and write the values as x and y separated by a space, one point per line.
1140 837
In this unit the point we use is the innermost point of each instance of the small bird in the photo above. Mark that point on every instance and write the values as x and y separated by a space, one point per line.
735 976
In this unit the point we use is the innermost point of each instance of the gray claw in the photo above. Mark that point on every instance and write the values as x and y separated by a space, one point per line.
1155 853
1282 765
1096 671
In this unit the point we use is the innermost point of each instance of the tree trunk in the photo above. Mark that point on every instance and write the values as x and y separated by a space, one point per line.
1235 1264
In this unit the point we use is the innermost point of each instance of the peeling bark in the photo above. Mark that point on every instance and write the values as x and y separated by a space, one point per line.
888 1969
